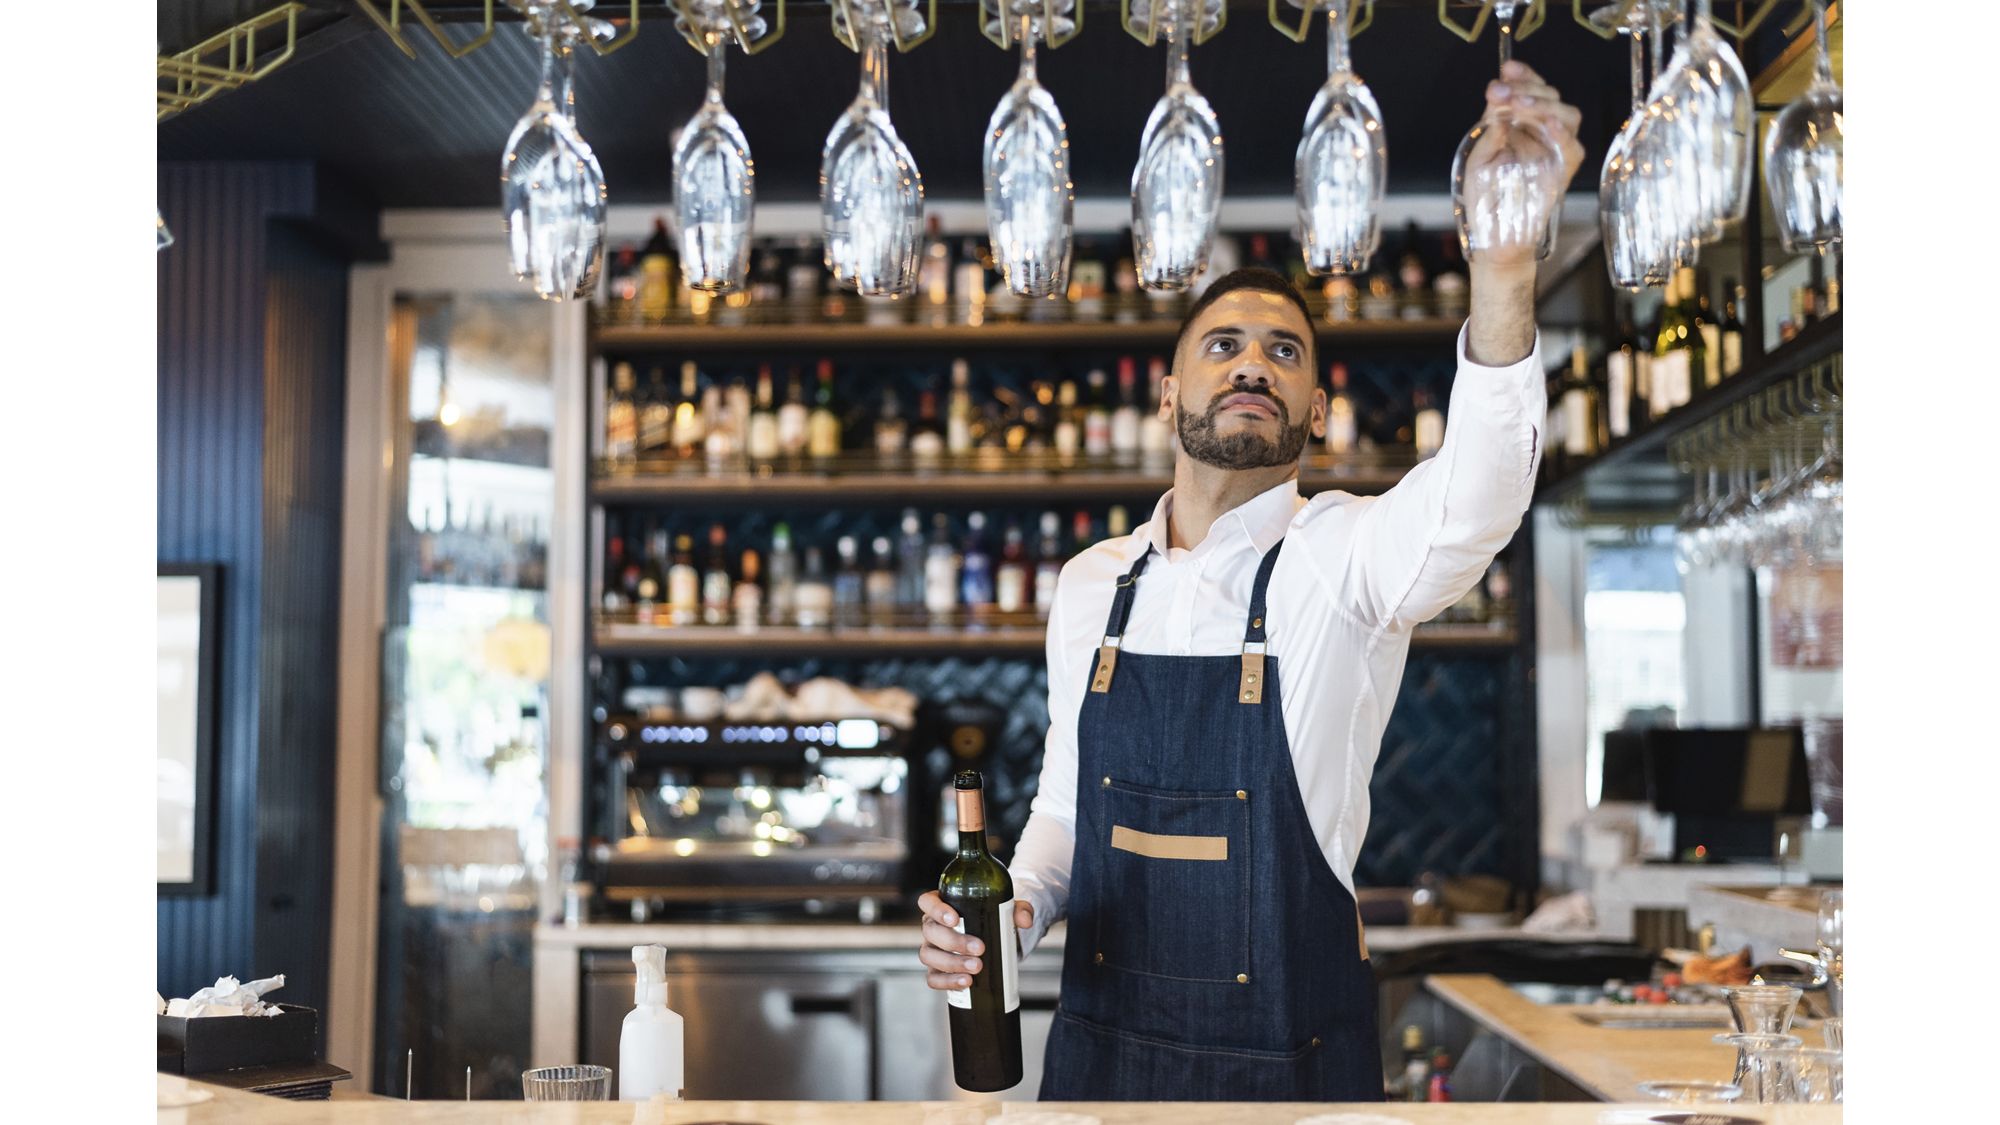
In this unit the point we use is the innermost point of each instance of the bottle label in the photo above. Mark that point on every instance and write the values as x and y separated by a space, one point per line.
1010 958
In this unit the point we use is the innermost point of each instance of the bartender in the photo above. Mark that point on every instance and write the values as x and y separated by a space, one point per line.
1218 684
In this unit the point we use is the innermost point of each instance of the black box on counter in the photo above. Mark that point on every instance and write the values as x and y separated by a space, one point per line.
209 1044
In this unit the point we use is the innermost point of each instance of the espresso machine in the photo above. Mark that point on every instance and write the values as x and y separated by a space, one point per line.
786 816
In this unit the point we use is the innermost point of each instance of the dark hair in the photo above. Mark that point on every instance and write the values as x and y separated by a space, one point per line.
1249 277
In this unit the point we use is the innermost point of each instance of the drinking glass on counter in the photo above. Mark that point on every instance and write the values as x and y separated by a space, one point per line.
1762 1009
1749 1044
582 1083
1682 1092
1787 1075
1829 1030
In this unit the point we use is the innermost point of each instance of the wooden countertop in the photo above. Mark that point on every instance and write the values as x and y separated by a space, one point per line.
1607 1063
902 935
231 1107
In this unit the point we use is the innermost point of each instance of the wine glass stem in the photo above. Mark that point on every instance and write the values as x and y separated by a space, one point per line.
1656 40
546 93
1027 48
1504 11
1823 66
1177 54
1638 71
1336 37
875 71
717 46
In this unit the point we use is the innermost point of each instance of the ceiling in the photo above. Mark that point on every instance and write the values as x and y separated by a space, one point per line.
427 132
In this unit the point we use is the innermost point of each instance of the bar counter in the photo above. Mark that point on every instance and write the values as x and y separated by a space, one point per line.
230 1107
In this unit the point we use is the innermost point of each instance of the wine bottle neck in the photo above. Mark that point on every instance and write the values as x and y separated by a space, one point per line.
972 843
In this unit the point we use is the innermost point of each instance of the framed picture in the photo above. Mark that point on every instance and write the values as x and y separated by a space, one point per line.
188 598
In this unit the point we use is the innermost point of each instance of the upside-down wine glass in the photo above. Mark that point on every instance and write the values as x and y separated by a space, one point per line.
1716 112
1506 176
1030 198
715 184
1662 157
551 188
1802 157
871 193
1623 210
1342 163
1177 183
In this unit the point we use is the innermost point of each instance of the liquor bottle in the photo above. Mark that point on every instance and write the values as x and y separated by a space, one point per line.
624 290
1010 580
1048 563
1416 296
1081 534
1116 524
850 586
746 601
656 418
910 565
621 419
1378 302
1427 427
716 587
1579 410
1069 425
985 1017
1127 306
1731 328
1343 300
1673 351
688 430
793 419
611 602
927 440
761 442
656 274
823 428
1711 335
718 425
958 411
812 600
1097 414
1125 419
652 593
783 593
1086 283
934 274
683 584
892 433
1619 380
1439 1088
941 569
1415 1082
968 284
635 560
1340 424
767 284
879 588
975 575
1156 436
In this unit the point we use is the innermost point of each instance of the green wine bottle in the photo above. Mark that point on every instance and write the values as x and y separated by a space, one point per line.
985 1018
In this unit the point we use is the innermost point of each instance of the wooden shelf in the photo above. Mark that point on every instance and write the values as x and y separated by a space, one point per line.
628 337
1634 465
1009 639
1024 478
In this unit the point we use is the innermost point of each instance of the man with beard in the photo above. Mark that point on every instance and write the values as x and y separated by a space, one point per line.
1199 814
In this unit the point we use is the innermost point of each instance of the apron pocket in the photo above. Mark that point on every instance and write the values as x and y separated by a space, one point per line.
1176 867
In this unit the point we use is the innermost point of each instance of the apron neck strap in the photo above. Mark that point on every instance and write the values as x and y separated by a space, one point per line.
1253 633
1121 602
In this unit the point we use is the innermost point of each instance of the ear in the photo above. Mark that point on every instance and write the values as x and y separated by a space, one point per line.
1169 394
1319 413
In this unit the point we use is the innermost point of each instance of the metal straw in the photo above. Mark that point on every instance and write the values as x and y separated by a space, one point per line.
468 1083
409 1069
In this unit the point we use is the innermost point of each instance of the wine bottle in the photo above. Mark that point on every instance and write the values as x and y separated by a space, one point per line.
621 418
690 435
1618 382
1125 419
716 586
1097 415
1340 429
985 1017
1732 328
1048 563
683 584
958 412
762 441
1156 437
794 423
823 426
1428 426
1069 424
1711 336
975 568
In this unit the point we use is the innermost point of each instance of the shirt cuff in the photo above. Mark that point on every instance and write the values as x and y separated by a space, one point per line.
1525 377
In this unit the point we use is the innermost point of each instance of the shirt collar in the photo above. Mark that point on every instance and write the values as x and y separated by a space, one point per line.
1262 519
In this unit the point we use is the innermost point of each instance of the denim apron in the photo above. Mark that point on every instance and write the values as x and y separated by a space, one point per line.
1212 955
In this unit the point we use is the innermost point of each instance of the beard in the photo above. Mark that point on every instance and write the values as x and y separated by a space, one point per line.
1245 449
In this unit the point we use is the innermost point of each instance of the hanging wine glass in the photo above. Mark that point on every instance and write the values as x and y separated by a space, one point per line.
1706 80
715 182
552 191
1342 163
1623 211
871 194
1030 199
1661 157
1177 183
162 237
1802 157
1506 178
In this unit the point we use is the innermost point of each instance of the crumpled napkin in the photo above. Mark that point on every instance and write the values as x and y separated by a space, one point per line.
228 997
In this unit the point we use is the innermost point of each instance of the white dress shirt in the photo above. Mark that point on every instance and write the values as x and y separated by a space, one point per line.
1356 576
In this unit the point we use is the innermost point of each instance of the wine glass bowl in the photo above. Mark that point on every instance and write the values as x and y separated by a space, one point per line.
1715 105
553 196
1341 167
1802 157
1030 198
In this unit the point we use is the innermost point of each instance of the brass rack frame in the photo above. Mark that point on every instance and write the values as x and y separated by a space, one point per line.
1534 12
734 11
195 80
1004 16
1152 35
903 46
1356 24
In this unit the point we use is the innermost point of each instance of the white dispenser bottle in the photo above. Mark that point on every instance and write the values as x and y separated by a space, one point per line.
650 1051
